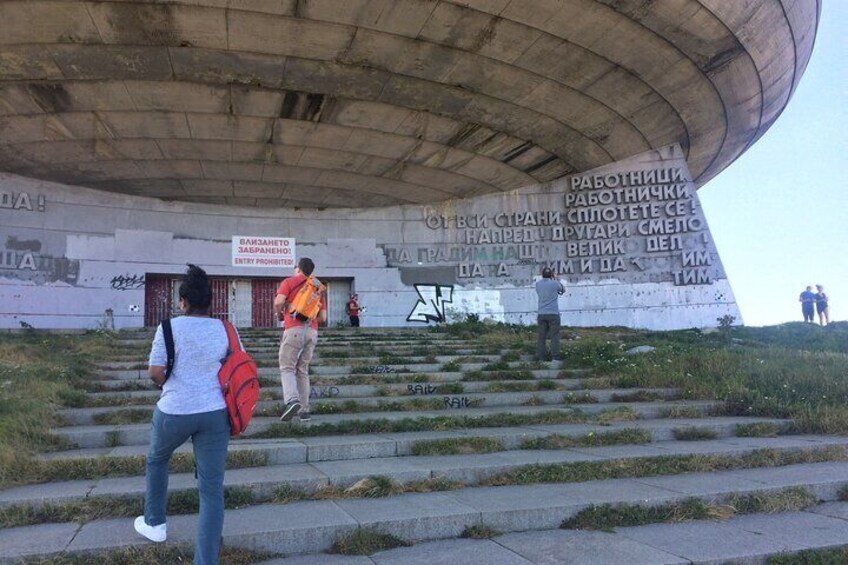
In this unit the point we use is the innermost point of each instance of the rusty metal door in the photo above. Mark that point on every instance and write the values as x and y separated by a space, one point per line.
220 298
263 302
158 301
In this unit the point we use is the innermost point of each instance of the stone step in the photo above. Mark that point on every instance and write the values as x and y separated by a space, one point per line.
749 539
271 375
468 470
372 340
130 434
337 355
400 444
346 370
312 526
87 416
386 391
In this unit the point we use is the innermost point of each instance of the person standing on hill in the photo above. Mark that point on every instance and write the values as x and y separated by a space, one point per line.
808 300
548 290
298 341
821 306
191 406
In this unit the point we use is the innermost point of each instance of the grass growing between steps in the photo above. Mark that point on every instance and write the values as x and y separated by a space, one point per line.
694 434
42 471
151 555
609 516
457 446
666 465
366 541
837 556
620 437
479 532
98 507
760 429
444 423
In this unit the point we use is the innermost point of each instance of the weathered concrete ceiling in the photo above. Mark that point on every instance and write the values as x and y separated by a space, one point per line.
361 103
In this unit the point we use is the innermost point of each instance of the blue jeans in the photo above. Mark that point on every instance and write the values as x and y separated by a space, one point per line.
210 435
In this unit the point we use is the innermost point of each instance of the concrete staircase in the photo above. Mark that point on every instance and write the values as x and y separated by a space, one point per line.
462 437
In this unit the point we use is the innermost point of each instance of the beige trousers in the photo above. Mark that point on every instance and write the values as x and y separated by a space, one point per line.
296 349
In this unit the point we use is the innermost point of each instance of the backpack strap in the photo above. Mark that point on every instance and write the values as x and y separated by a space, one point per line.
232 338
168 334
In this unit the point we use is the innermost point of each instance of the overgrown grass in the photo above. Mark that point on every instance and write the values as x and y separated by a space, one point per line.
443 423
693 433
837 556
42 471
151 555
457 446
366 541
656 466
556 441
38 372
609 516
759 429
98 507
479 531
118 417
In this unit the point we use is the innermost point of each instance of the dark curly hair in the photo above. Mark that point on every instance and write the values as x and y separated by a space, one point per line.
196 290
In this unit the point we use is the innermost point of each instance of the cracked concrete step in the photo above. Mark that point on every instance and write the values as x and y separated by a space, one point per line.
130 434
553 367
749 539
312 526
87 416
298 470
365 446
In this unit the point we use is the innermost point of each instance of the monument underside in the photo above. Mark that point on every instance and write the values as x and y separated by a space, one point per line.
374 103
430 155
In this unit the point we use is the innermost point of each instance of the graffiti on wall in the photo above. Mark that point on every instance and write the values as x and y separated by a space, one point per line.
432 299
24 259
127 282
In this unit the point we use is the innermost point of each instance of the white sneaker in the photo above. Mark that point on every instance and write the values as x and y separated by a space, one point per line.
153 533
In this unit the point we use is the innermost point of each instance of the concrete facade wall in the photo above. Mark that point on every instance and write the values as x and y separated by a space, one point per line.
629 240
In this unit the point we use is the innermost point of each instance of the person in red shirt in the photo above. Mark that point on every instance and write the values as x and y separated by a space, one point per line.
298 342
353 310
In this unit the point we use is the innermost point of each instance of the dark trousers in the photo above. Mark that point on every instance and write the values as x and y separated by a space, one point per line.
548 328
807 310
354 321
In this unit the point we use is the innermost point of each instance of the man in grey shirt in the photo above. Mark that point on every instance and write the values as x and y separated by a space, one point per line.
549 290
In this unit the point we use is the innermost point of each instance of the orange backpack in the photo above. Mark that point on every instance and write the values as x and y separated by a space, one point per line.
306 303
239 379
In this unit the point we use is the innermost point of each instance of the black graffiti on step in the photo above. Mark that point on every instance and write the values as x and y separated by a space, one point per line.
323 391
378 369
422 389
459 402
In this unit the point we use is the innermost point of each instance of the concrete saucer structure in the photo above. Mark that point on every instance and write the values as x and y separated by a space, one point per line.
414 148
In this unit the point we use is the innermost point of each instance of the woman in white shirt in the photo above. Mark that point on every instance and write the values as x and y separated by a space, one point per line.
191 406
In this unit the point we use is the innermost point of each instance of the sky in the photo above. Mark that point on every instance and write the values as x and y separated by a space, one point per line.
779 214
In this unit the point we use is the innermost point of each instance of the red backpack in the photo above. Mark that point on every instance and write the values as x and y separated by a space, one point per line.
239 380
238 376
